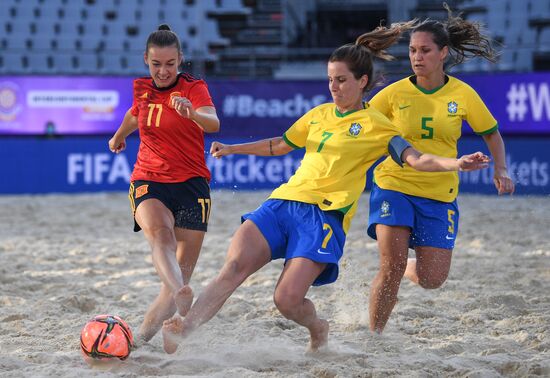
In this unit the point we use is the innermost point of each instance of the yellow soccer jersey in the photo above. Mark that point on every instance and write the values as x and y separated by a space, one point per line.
339 149
431 121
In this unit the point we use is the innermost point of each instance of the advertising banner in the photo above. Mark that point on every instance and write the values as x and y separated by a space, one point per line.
63 105
247 109
84 164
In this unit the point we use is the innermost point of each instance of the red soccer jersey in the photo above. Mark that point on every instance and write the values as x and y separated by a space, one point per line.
171 147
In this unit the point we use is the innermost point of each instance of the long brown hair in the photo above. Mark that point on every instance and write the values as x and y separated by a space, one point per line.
465 39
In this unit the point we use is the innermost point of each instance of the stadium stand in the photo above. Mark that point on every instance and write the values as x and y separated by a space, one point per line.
243 38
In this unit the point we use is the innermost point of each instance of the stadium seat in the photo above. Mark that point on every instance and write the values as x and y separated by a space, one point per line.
66 43
17 27
63 63
93 42
540 8
86 63
544 40
24 11
13 62
42 42
18 42
136 65
506 61
225 7
212 34
40 63
135 44
115 42
49 13
44 26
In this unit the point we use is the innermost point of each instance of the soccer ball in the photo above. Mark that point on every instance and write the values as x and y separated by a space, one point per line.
106 337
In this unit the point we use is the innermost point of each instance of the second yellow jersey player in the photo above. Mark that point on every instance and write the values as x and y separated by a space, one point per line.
432 122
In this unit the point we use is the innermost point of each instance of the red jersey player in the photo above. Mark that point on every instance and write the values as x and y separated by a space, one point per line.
169 191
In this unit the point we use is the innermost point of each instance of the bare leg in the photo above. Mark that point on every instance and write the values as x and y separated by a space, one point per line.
295 280
247 253
157 223
431 267
189 247
393 242
189 243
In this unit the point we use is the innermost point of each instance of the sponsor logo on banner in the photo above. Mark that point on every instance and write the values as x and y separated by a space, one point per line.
10 105
97 105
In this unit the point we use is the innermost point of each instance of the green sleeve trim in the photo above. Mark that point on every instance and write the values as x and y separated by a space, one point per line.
490 131
290 143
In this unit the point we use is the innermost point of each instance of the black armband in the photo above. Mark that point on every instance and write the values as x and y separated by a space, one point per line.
396 146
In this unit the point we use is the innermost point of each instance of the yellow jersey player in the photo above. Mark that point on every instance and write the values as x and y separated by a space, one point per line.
305 220
411 209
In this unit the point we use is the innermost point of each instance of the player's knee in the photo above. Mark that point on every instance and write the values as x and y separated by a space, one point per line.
160 233
287 302
432 281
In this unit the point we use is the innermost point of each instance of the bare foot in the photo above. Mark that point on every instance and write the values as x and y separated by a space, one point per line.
319 337
184 300
171 334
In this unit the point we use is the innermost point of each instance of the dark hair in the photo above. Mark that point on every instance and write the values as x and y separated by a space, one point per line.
465 39
163 37
359 56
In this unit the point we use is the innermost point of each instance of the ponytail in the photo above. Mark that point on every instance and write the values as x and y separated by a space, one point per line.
465 39
359 56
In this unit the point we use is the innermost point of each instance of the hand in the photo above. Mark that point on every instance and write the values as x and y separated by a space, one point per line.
117 144
218 150
503 182
473 162
183 106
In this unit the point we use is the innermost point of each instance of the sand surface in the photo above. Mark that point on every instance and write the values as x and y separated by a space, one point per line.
65 258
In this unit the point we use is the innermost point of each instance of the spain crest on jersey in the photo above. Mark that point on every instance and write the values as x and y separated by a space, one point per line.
355 128
452 107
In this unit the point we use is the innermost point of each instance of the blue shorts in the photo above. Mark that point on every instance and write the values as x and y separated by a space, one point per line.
296 229
433 223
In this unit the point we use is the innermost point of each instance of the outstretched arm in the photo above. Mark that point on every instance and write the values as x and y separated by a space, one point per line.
502 180
129 124
434 163
265 147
